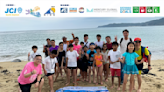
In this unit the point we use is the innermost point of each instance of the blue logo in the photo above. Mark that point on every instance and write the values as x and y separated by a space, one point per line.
73 10
50 12
89 10
63 10
14 10
125 9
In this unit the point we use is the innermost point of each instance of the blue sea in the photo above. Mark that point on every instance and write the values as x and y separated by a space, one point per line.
17 44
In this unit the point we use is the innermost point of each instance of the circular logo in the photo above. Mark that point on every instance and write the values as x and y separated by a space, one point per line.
81 10
19 10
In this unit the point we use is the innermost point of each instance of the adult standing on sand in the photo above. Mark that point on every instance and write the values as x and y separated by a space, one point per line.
138 50
66 43
46 46
123 46
31 74
53 47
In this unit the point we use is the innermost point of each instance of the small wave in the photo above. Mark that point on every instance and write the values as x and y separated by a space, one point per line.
4 56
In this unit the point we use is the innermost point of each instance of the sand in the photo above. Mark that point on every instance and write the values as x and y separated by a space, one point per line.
150 82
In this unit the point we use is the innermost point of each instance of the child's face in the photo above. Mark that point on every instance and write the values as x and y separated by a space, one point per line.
54 55
61 46
85 49
130 47
92 46
98 50
114 47
82 45
71 48
34 49
76 41
104 47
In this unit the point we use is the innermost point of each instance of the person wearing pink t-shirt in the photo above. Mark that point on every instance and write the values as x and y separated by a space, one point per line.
31 74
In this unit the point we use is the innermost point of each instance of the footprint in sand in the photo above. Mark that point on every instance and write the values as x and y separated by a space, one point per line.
158 85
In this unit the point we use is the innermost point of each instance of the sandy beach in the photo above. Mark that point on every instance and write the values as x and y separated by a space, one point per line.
152 82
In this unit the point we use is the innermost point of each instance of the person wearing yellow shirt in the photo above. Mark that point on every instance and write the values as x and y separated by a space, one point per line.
137 42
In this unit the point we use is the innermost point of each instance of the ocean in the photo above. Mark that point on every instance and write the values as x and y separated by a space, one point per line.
17 44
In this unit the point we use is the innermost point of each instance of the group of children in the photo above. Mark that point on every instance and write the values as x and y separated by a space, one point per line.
96 58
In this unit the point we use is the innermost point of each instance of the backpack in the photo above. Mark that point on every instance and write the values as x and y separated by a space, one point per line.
123 38
143 53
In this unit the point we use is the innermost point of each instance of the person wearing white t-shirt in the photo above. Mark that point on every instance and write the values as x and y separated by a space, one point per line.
71 63
99 43
115 65
123 46
32 56
86 43
49 67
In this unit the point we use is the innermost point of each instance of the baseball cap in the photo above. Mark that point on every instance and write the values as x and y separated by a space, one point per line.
92 44
137 39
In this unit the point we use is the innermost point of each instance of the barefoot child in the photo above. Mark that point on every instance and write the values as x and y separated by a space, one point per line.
61 57
32 56
49 67
130 58
71 64
115 66
90 57
106 62
84 64
98 61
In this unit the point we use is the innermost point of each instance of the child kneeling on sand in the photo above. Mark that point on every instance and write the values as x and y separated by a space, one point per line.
49 67
71 64
31 74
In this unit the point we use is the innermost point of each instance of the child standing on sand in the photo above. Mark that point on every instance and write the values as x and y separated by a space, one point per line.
130 58
115 65
71 64
98 61
32 56
90 58
106 61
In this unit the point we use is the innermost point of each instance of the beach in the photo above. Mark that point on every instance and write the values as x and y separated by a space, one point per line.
152 82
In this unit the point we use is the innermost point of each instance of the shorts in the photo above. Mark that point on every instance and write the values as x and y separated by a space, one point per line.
27 87
90 63
139 66
79 64
84 67
49 74
117 71
71 68
60 64
106 62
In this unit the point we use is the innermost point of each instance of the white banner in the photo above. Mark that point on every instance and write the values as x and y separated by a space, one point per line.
84 8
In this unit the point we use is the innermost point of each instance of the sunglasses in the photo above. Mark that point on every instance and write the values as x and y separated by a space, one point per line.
138 41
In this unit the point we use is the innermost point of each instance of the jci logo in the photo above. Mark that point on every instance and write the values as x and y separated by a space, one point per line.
13 11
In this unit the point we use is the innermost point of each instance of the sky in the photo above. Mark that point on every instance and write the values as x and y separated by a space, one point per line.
34 23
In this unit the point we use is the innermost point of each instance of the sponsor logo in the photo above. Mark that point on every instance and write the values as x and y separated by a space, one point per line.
64 4
89 10
13 11
149 9
35 12
81 10
73 10
156 9
125 9
63 10
50 11
142 9
136 9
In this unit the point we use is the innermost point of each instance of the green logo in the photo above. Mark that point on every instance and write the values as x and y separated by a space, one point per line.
149 9
136 9
156 9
